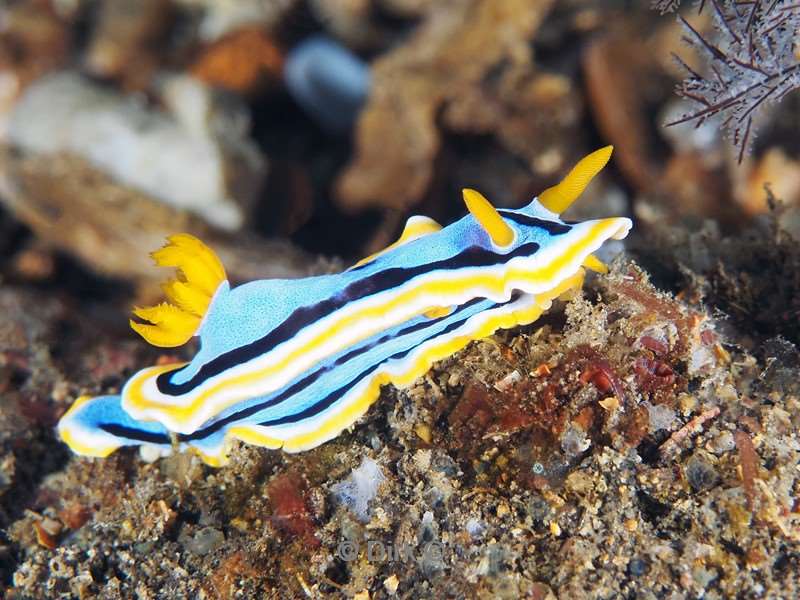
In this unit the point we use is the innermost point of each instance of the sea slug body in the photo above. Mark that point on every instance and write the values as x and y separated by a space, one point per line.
291 363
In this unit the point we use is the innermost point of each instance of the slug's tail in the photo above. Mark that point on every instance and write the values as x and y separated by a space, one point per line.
199 274
98 426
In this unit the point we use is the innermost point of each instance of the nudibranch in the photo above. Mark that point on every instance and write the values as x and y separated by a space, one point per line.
291 363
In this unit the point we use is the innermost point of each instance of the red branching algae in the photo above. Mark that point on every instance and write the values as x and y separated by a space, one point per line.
598 371
514 418
597 377
652 374
652 303
543 370
656 346
474 413
232 569
290 513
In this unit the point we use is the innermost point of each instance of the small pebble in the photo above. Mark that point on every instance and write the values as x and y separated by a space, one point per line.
423 432
700 474
204 541
475 528
638 567
390 584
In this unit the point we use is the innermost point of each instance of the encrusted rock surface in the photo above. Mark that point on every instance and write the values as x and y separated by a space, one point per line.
626 442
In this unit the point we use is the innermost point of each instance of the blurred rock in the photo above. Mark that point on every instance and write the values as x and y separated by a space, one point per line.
681 181
617 101
328 81
700 472
196 157
125 42
35 264
220 17
408 8
692 186
355 22
454 67
776 170
74 206
34 39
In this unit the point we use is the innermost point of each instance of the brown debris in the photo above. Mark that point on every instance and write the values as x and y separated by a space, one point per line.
38 411
616 99
75 207
75 515
159 518
33 41
125 41
636 427
473 414
226 580
515 469
47 532
591 453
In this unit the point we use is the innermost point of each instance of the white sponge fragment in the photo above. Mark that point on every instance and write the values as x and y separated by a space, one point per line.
360 488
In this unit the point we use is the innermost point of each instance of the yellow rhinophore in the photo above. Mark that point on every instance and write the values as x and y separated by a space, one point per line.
488 217
559 197
199 274
595 264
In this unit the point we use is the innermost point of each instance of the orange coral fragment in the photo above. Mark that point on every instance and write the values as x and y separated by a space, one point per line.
240 61
748 460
